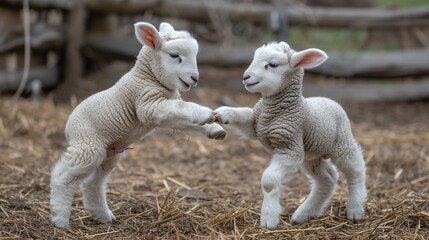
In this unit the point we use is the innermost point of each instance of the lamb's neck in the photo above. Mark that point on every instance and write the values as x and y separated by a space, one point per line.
142 77
143 72
290 92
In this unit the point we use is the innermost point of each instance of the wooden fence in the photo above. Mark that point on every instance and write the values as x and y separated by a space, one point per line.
66 35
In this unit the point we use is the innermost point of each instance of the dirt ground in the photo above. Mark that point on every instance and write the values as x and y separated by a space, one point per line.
147 190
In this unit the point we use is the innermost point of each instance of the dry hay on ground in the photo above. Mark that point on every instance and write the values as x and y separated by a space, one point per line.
146 191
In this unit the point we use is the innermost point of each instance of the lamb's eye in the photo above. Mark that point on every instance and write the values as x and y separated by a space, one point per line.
174 55
272 65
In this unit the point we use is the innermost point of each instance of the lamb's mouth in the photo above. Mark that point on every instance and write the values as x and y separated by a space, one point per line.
250 84
184 83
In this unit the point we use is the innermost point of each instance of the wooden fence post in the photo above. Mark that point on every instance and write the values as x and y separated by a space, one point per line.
75 27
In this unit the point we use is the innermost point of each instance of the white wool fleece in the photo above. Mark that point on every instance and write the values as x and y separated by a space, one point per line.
101 128
313 134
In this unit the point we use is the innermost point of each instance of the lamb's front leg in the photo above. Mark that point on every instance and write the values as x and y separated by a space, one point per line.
211 130
241 120
280 171
178 114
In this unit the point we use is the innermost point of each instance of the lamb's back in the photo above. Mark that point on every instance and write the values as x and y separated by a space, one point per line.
325 125
107 116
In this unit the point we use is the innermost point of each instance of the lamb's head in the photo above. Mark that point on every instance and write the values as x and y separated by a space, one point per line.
173 53
273 61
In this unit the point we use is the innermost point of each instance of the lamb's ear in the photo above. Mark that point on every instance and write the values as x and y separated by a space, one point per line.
147 35
309 58
165 27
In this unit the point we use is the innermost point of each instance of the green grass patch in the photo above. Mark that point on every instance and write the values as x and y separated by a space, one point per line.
339 39
329 39
401 3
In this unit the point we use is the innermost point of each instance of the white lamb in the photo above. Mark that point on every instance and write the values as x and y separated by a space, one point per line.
105 124
309 133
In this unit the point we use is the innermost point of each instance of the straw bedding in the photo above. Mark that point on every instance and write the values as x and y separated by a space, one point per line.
176 186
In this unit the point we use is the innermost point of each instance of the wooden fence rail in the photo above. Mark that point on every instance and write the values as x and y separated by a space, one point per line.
259 13
339 64
41 4
42 37
78 44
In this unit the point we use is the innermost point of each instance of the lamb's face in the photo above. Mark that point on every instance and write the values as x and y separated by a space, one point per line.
178 58
175 54
271 62
264 75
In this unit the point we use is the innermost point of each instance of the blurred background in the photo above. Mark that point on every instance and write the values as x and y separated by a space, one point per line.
379 49
55 53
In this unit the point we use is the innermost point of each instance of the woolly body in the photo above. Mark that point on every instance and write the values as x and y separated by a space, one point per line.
110 117
105 124
287 122
313 134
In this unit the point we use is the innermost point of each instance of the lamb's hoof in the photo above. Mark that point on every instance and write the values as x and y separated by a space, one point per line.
204 115
216 131
269 221
104 216
301 217
60 222
355 214
223 115
208 120
218 135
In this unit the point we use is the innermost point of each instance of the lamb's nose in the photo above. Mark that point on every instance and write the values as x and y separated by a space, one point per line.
246 76
195 78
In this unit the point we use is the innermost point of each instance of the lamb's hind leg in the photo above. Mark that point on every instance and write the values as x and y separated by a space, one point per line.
74 165
323 177
353 167
94 190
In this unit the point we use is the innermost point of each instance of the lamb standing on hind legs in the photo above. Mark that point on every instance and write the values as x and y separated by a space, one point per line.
309 133
103 125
